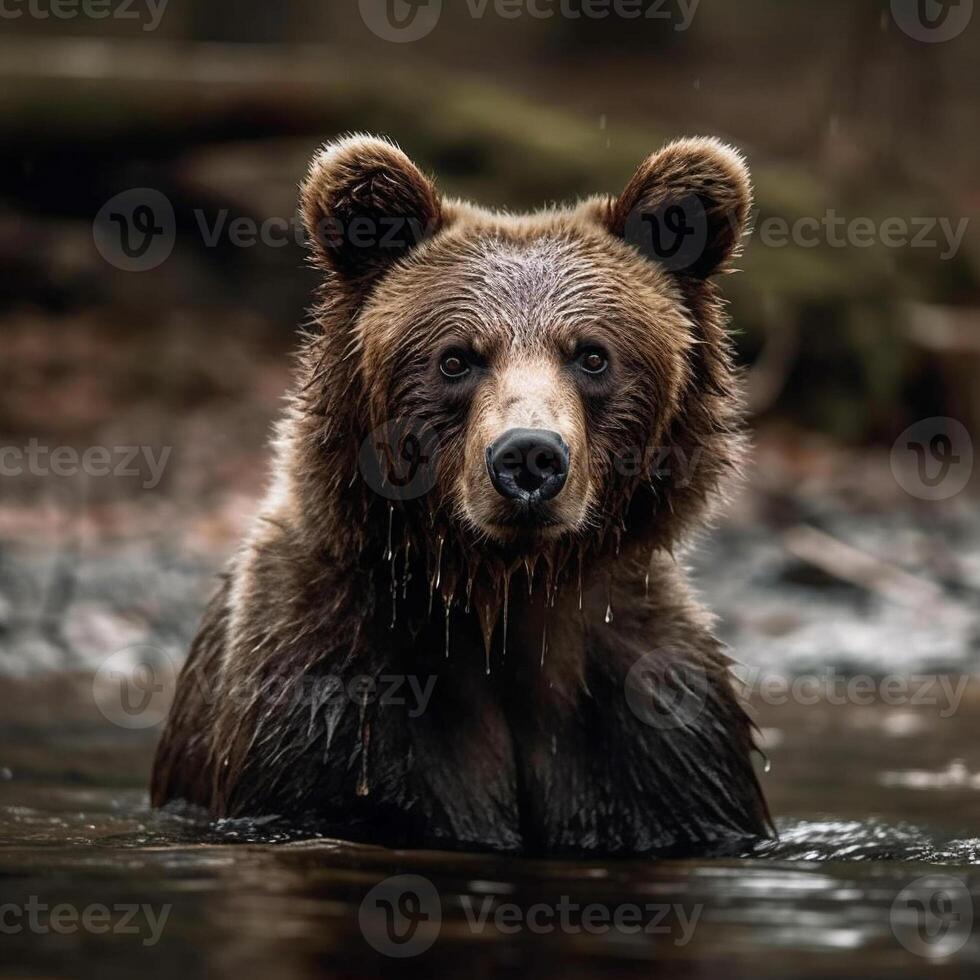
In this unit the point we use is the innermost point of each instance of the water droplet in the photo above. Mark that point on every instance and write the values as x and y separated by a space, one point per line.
442 542
406 574
487 634
544 641
448 612
363 789
394 592
609 612
389 554
506 607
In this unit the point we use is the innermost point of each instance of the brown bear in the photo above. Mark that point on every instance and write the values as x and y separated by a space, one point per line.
458 620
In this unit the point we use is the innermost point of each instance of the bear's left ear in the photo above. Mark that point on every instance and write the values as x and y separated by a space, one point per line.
687 207
365 205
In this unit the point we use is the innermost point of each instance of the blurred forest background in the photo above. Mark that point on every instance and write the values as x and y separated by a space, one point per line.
220 105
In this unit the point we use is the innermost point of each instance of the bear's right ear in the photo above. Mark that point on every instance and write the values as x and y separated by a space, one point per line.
365 205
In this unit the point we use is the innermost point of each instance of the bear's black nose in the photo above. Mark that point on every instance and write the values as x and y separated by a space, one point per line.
528 465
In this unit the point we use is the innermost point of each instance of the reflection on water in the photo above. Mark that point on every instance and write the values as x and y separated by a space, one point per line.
870 840
873 873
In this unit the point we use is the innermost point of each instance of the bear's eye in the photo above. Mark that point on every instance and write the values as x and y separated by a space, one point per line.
593 361
453 365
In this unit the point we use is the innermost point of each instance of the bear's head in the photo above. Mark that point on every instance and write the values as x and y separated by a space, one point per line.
550 385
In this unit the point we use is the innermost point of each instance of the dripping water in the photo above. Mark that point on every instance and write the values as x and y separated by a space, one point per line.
394 590
544 641
529 571
487 636
363 789
442 542
503 653
389 554
406 574
448 613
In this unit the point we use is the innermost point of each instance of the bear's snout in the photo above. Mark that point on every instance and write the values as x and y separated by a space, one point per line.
529 466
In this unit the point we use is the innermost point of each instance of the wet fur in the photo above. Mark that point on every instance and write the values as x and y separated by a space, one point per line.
543 755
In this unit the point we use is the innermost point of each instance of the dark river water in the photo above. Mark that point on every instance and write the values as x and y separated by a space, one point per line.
875 872
868 710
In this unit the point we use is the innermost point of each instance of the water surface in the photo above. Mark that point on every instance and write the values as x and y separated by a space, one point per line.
875 871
